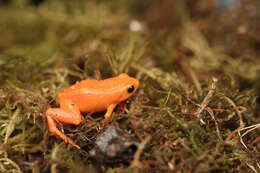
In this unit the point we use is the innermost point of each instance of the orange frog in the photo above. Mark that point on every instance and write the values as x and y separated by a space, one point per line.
89 96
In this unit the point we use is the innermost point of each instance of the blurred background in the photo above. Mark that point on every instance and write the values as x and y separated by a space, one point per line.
215 35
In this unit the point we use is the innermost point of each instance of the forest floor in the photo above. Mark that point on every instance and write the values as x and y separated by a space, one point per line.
198 63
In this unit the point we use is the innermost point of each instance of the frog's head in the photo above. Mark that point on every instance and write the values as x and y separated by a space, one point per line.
128 86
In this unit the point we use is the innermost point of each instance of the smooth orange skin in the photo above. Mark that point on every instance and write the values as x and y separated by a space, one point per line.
89 96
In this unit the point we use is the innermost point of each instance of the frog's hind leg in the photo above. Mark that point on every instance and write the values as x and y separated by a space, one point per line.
68 113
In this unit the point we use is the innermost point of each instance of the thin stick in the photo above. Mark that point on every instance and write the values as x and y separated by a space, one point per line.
207 99
136 163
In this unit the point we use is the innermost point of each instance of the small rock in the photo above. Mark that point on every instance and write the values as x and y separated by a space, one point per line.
114 144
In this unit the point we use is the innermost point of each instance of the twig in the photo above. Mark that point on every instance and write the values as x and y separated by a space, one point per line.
241 123
6 162
136 163
216 123
248 130
207 99
235 107
251 167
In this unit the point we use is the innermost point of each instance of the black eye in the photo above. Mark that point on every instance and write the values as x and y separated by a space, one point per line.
131 89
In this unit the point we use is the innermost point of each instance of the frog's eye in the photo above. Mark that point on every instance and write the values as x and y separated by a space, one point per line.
131 89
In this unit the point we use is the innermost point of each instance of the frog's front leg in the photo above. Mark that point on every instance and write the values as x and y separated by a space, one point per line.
67 113
109 112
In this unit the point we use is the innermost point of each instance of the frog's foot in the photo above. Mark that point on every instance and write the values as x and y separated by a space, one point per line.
61 115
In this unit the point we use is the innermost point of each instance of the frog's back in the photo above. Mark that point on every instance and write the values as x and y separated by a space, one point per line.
95 86
93 95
